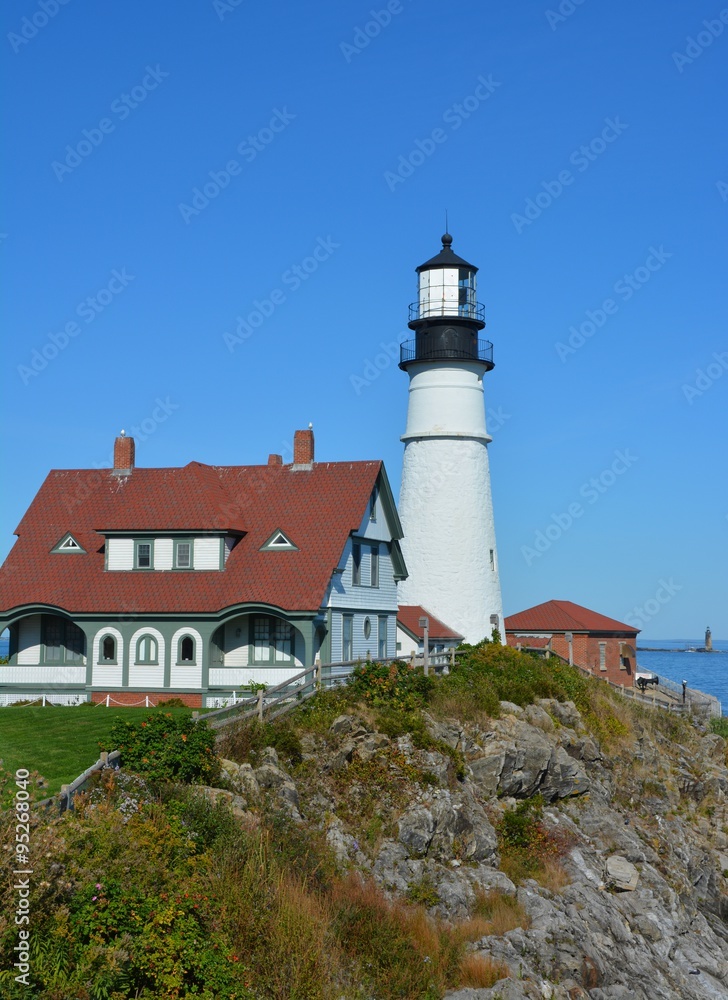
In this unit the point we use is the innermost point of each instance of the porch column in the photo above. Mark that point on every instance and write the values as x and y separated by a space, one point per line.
307 630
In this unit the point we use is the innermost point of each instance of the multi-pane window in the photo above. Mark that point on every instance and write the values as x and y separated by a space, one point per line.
146 651
382 637
356 564
54 634
602 656
182 555
283 642
347 644
374 566
143 555
64 642
272 641
261 640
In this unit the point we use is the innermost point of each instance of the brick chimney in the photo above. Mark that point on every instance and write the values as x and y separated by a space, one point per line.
275 460
303 449
123 455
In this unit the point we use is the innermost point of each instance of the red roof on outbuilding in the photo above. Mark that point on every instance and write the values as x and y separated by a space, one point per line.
316 508
564 616
408 616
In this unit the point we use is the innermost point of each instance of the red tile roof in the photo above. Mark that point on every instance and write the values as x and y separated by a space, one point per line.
317 509
408 616
564 616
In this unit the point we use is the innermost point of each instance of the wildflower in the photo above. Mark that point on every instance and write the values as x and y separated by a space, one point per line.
94 898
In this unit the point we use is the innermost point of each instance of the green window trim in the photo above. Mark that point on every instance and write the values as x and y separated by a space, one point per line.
68 545
374 566
108 660
148 655
272 642
383 636
142 559
184 553
347 638
183 661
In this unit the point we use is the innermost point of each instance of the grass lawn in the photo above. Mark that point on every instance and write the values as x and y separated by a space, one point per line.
60 742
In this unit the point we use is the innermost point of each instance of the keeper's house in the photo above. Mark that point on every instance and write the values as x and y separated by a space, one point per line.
195 582
591 640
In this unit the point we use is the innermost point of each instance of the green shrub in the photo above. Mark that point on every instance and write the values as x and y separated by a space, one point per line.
393 685
167 747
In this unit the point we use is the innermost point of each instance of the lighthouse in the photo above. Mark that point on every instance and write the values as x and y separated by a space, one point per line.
445 502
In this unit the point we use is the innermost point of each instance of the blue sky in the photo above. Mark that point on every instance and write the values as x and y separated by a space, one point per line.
579 151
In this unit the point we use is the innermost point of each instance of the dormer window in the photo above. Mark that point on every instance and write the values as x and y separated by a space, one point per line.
68 544
182 554
279 541
143 551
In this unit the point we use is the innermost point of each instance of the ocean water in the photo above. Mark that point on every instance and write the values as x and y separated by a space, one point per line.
703 671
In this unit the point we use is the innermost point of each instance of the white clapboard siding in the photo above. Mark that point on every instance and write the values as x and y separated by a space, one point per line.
29 639
406 643
188 676
119 639
42 675
106 675
271 676
120 553
236 647
163 553
207 553
146 675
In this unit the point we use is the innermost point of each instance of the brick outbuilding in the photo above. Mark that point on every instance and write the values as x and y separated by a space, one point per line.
603 645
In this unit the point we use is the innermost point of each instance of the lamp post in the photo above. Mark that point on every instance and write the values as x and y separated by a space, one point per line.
425 626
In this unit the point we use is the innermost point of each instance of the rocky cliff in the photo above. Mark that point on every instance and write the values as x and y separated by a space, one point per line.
631 898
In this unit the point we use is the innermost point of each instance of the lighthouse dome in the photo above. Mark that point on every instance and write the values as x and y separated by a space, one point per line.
446 258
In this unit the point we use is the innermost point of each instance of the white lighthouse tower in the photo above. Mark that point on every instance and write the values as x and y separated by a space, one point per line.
445 503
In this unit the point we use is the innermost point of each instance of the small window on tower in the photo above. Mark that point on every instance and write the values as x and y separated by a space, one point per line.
492 559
